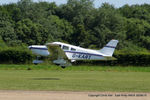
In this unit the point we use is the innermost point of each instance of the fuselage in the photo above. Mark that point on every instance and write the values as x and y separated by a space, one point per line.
71 51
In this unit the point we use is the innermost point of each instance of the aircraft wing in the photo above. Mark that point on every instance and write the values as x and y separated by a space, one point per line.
56 52
57 55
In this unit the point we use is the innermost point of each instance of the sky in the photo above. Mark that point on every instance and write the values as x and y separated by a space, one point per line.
97 3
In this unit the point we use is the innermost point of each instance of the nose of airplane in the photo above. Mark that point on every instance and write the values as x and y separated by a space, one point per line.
29 47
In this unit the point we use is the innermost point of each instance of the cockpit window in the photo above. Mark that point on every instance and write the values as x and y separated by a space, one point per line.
65 47
72 49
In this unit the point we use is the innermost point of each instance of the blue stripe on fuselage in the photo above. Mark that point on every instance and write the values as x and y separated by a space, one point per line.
38 48
68 51
83 53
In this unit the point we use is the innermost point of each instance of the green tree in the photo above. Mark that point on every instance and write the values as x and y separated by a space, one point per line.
136 28
6 28
28 32
59 29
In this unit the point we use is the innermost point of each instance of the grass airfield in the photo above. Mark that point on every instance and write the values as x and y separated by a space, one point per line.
75 78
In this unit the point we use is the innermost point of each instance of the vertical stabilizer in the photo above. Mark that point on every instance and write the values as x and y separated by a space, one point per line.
109 48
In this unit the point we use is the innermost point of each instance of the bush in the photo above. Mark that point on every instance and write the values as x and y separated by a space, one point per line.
15 56
21 55
134 58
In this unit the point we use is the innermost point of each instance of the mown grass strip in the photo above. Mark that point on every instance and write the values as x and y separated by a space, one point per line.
77 68
74 80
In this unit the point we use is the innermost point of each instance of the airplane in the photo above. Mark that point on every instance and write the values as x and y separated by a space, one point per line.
66 53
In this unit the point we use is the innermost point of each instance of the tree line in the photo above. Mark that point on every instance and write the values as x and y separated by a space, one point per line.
77 22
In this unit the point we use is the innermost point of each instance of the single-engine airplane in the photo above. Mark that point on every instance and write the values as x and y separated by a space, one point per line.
67 53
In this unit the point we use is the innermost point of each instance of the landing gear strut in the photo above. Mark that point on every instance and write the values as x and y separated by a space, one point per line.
37 61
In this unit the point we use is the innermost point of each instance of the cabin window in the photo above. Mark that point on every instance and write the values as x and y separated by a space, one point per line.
65 47
72 49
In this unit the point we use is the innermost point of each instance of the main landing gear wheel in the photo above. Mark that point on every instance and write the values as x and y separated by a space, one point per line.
63 67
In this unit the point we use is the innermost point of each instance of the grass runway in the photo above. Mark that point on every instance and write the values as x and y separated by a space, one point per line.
80 78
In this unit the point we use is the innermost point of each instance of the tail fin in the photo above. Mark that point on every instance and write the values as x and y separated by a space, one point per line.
109 48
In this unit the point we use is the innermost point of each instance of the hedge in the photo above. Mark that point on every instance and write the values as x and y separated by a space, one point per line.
134 58
23 55
15 56
123 58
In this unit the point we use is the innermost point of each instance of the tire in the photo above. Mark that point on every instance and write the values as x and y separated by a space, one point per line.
35 63
63 67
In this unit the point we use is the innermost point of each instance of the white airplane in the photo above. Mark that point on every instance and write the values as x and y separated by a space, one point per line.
66 53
